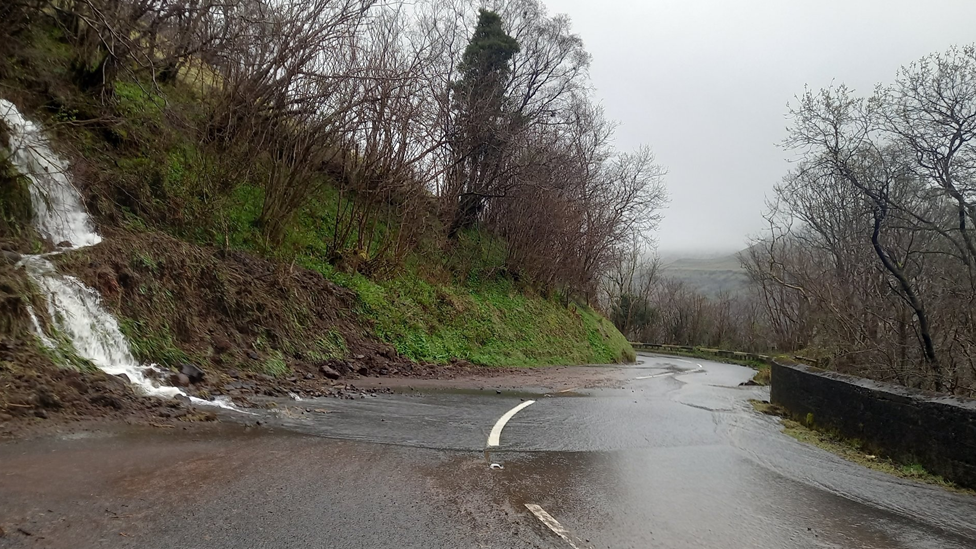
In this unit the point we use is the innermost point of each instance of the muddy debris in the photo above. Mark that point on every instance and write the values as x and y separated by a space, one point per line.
221 344
44 397
106 401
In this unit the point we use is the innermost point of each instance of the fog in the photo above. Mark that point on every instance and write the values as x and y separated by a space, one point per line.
706 84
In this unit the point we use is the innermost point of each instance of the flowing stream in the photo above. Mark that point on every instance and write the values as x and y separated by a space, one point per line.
59 214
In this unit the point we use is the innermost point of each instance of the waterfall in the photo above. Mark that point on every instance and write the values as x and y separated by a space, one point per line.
59 214
59 211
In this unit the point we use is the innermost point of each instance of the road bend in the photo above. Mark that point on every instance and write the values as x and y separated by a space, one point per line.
668 455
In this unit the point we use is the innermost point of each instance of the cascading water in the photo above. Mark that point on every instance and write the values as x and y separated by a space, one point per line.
59 214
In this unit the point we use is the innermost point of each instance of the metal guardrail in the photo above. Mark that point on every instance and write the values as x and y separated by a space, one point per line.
725 353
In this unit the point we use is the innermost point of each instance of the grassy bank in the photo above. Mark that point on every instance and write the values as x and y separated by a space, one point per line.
493 324
444 303
189 272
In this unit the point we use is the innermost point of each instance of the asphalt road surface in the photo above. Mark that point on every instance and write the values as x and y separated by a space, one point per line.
671 456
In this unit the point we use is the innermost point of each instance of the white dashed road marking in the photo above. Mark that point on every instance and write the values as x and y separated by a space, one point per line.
496 431
551 523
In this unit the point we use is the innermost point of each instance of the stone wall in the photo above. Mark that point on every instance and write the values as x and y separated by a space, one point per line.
938 432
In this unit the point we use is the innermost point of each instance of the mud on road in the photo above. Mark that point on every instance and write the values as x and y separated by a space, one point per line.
39 401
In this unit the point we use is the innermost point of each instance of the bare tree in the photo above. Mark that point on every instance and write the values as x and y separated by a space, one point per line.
871 237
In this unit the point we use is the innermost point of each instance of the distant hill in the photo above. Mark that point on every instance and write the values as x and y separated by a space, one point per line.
710 274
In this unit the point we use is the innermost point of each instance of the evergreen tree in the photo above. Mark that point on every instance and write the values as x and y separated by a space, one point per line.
485 64
481 123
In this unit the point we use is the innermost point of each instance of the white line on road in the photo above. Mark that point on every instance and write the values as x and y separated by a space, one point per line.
496 431
551 523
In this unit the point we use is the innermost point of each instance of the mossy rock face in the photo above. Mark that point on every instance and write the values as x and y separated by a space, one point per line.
16 210
14 292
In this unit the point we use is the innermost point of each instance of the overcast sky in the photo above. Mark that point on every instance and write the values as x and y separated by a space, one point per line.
706 84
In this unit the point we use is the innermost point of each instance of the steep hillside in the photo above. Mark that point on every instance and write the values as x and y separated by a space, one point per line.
192 278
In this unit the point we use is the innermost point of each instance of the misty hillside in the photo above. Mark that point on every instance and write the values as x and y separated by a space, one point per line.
712 274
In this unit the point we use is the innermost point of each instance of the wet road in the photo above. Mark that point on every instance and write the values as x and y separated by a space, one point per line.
672 457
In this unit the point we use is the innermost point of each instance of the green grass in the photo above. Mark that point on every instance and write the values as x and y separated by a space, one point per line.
153 345
330 346
239 218
493 324
136 102
275 365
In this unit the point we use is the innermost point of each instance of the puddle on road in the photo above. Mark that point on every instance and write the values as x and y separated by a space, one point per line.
696 497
